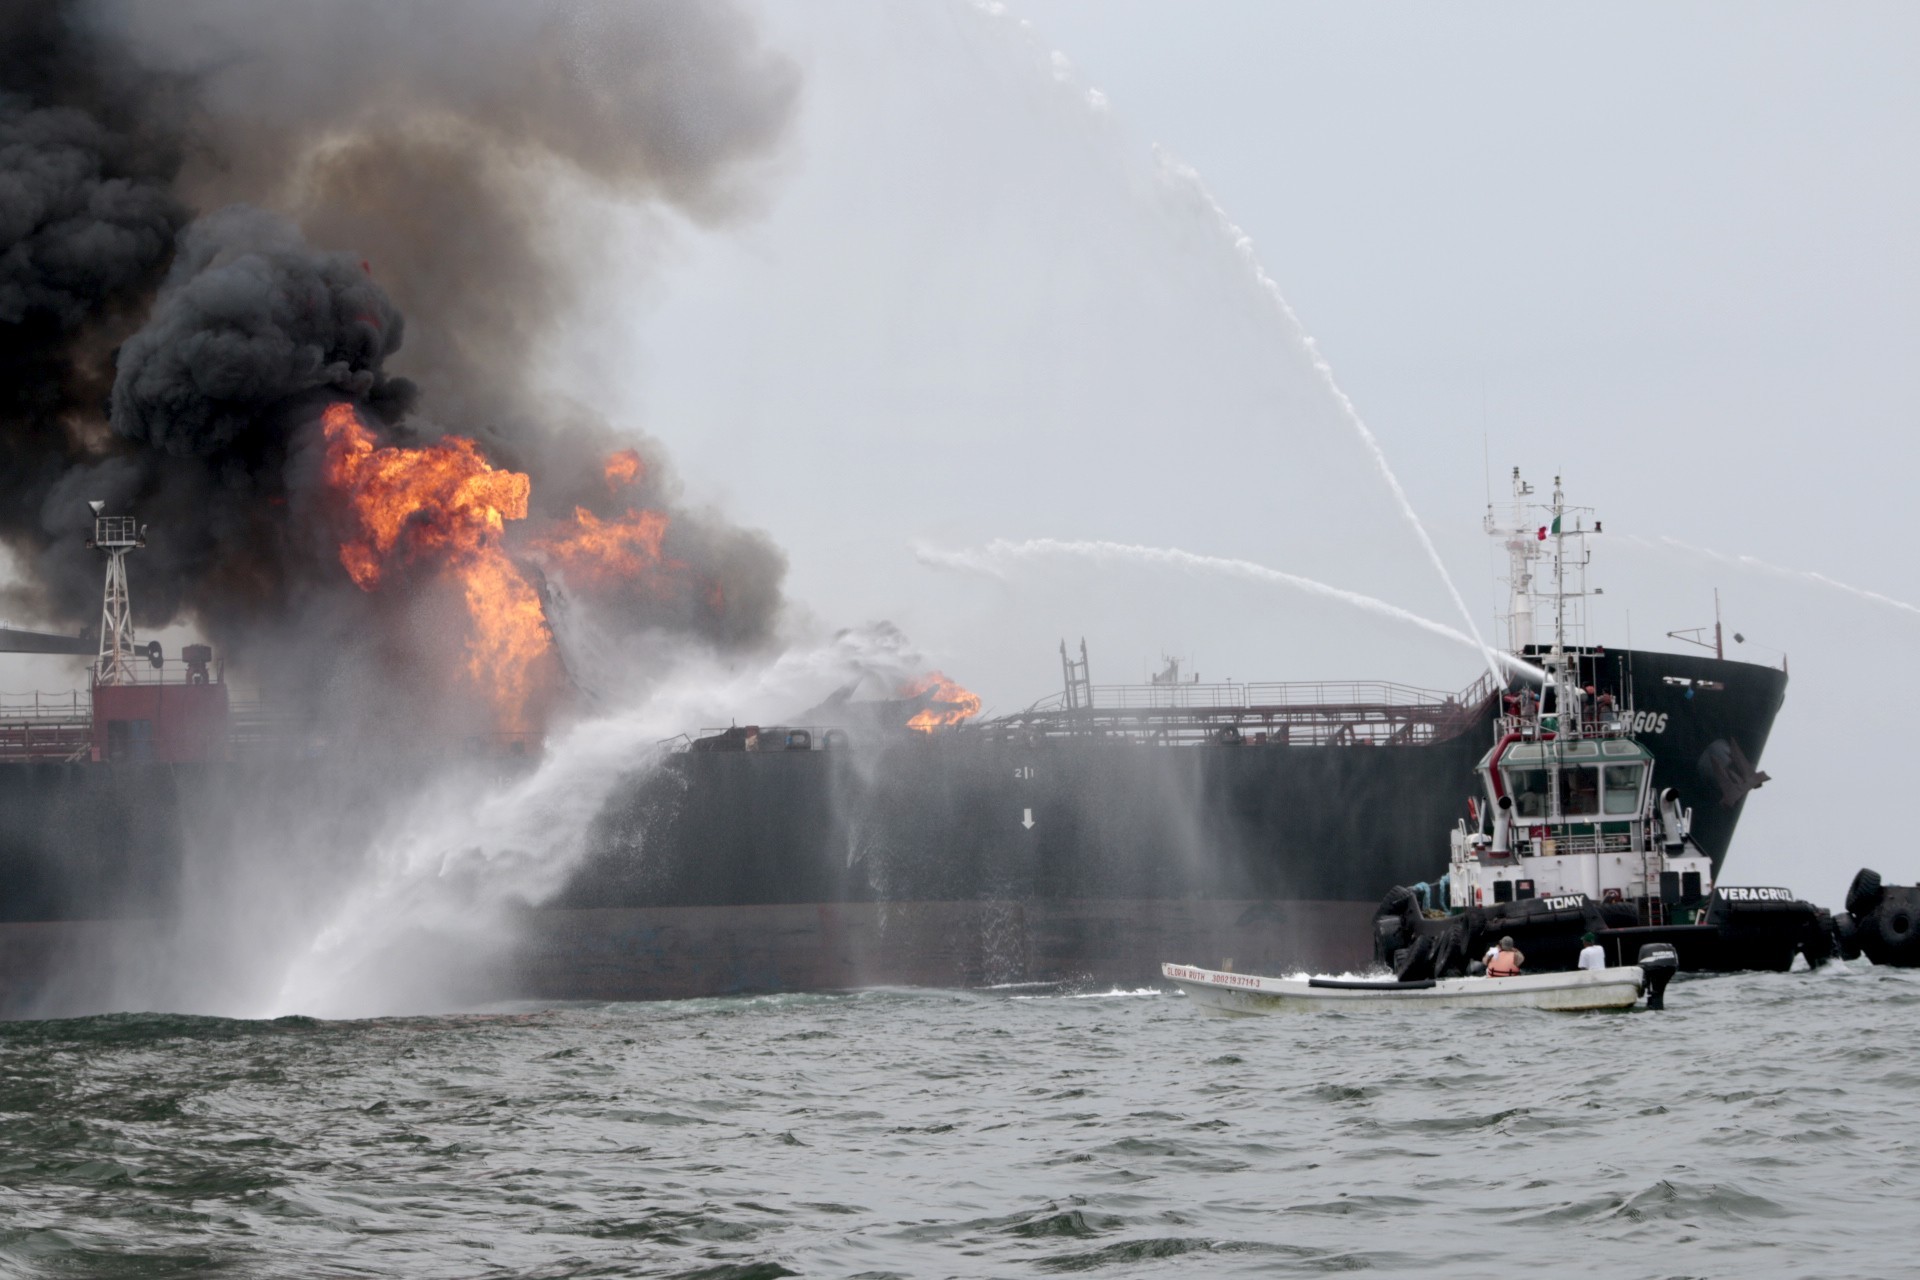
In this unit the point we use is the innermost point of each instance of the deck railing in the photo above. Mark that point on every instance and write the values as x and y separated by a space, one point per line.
1319 713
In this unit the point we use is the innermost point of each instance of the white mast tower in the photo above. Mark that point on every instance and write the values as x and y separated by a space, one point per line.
115 535
1532 532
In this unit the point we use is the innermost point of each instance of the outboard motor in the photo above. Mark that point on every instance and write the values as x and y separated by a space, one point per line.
1658 962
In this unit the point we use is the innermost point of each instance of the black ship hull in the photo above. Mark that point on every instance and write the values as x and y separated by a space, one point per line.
956 858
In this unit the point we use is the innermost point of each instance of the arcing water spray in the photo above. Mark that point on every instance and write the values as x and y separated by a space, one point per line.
1178 172
1803 575
1000 552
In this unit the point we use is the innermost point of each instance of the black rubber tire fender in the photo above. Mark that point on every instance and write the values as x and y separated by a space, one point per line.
1898 923
1450 955
1390 936
1817 942
1864 894
1418 961
1846 936
1400 901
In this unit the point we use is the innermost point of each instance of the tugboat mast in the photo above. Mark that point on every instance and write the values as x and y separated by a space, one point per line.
1524 533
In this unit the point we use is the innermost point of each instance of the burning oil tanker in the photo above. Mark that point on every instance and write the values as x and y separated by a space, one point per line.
885 839
219 233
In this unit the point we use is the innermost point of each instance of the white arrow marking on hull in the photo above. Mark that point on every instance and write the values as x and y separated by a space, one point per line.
1026 819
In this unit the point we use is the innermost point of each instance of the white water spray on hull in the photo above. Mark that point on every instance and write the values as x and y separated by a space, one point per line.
433 912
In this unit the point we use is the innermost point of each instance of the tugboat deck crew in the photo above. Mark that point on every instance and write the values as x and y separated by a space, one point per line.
1506 961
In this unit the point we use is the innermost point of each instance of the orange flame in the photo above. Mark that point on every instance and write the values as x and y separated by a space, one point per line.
596 552
950 704
447 504
624 468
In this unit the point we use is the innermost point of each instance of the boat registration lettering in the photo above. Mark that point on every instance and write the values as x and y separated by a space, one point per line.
1755 895
1233 979
1210 975
1567 902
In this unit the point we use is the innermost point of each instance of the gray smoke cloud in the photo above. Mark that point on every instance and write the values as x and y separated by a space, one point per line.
356 163
248 316
80 229
88 215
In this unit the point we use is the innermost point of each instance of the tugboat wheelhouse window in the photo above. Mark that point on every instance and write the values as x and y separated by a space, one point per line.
1529 788
1623 788
1579 792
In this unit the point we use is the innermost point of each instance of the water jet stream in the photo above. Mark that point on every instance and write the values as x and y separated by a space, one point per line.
1179 170
1176 171
1001 551
1783 571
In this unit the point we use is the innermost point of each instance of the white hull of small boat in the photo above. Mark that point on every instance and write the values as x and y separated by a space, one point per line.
1245 993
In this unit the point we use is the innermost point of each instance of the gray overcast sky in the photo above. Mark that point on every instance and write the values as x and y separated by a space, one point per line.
1666 249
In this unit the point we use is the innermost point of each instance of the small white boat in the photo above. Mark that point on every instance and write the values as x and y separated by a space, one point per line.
1229 994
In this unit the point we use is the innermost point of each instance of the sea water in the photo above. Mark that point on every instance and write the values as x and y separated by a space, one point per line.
1763 1125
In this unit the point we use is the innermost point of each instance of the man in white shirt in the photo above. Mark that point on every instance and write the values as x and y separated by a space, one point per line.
1591 956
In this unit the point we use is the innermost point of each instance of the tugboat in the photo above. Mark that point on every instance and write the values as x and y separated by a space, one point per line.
1569 837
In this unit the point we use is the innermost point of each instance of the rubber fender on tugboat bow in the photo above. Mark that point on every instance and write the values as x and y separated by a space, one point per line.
1846 936
1389 939
1864 894
1396 922
1898 922
1418 961
1450 953
1817 942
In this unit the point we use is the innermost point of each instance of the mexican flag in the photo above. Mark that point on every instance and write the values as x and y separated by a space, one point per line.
1546 529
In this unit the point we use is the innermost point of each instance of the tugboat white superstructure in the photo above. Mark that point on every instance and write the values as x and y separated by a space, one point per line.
1567 805
1570 833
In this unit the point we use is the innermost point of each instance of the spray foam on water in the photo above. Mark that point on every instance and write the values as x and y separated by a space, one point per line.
1762 566
989 561
1178 173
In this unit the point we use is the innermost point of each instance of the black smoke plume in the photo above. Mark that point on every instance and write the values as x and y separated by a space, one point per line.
214 215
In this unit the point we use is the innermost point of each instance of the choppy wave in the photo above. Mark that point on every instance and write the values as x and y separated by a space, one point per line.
1762 1126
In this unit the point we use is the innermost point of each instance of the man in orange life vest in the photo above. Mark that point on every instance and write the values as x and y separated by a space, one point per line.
1505 961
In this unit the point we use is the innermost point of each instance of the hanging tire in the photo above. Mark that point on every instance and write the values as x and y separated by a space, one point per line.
1417 964
1816 941
1400 902
1864 894
1450 957
1389 939
1846 936
1395 924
